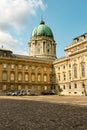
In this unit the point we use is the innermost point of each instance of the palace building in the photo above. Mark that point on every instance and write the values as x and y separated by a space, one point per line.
42 71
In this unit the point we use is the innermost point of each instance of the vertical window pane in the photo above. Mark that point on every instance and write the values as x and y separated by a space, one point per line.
4 76
83 70
39 77
19 76
75 72
26 77
12 76
45 78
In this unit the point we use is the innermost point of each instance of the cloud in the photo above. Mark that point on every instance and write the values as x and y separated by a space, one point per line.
15 13
11 43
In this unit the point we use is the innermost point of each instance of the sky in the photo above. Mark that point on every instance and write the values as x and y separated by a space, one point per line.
66 18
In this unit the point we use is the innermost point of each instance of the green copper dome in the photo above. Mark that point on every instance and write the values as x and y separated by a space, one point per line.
42 30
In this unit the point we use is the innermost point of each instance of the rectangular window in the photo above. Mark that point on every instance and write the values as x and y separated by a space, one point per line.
4 66
26 67
19 66
12 66
69 86
4 87
83 70
12 87
75 85
63 86
64 76
58 77
4 76
69 75
75 72
19 87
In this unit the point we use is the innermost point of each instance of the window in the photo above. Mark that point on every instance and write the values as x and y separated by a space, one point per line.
33 77
19 87
4 76
26 67
33 67
75 71
12 87
4 66
19 76
64 67
12 66
83 70
26 77
75 85
69 86
12 76
45 78
63 86
69 65
69 75
39 77
38 50
20 66
58 68
75 92
4 87
64 76
83 85
48 51
58 77
45 87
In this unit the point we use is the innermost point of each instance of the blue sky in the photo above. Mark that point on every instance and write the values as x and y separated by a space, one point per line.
66 18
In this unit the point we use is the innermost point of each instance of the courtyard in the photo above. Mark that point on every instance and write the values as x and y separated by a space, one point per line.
43 112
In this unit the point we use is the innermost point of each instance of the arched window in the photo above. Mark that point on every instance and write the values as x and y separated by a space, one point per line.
83 70
19 76
39 77
75 71
45 78
12 76
26 77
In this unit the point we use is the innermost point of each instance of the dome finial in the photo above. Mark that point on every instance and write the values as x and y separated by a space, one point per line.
42 22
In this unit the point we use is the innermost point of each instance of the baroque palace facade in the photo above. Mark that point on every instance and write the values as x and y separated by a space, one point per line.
42 70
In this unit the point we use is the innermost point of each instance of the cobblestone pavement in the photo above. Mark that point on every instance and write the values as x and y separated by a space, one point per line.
43 113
